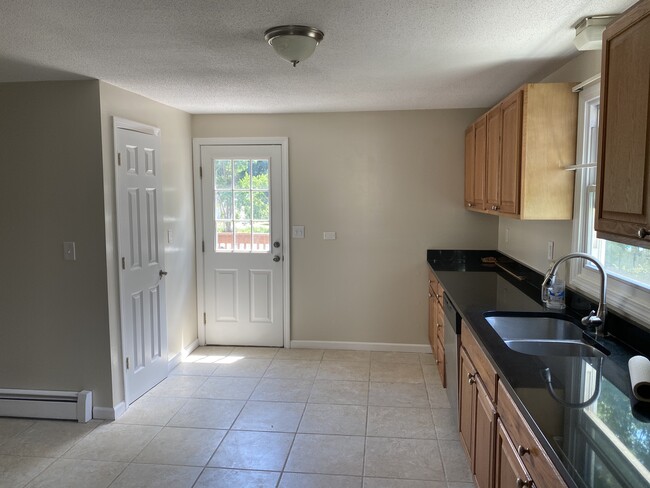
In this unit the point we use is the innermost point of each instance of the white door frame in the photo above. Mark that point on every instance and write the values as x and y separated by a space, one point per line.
121 123
286 234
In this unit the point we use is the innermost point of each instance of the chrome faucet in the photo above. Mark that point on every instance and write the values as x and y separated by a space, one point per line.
595 320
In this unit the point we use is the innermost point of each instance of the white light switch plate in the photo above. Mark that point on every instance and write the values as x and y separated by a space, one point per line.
298 231
69 251
329 236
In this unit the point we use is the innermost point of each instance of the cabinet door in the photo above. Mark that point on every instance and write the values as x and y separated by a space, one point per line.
493 160
466 401
624 155
469 166
484 433
480 153
433 307
509 471
440 362
511 116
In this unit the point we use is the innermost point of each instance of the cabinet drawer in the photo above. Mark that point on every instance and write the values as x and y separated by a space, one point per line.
481 362
529 449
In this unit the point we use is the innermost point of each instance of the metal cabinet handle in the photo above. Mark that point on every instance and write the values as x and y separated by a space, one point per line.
430 295
470 378
276 258
522 450
469 204
524 484
643 233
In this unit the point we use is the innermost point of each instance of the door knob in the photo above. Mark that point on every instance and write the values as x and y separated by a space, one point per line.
276 244
162 273
276 258
643 233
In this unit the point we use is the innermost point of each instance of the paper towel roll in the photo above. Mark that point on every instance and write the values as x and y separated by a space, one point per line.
640 377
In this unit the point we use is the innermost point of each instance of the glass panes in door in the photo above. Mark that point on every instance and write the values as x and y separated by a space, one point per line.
242 205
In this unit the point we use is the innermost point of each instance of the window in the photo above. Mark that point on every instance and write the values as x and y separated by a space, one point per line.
241 205
628 267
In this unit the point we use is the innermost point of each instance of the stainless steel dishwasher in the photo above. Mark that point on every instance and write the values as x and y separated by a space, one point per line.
452 346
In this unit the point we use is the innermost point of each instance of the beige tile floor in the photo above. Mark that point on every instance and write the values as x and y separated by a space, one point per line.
257 417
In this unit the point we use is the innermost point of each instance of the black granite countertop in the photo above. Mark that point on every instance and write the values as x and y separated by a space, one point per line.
604 443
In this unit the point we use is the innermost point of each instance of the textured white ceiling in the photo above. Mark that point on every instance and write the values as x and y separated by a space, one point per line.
209 56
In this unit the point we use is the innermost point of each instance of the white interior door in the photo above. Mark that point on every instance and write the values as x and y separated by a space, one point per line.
140 246
243 249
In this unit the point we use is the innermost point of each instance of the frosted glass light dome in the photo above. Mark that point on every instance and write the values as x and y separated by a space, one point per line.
295 43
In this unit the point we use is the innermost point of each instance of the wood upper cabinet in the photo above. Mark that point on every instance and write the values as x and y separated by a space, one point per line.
475 154
530 138
469 166
480 153
511 131
493 159
623 186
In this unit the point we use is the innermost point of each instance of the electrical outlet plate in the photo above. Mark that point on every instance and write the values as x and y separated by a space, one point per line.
329 236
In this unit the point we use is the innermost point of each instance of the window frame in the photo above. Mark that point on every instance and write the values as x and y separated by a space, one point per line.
625 297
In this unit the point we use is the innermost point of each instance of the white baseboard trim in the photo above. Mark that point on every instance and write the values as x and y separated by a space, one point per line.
176 359
362 346
109 413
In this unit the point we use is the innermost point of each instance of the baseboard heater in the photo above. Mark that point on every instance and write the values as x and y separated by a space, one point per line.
43 404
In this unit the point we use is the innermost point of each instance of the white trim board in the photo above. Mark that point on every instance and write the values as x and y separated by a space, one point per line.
177 358
109 413
362 346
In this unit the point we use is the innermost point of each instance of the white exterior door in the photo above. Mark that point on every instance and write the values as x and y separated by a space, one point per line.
140 245
241 199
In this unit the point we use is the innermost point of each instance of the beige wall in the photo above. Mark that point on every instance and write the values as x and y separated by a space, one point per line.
53 313
176 154
390 184
527 240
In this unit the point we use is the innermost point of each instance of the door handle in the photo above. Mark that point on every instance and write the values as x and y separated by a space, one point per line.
276 258
162 273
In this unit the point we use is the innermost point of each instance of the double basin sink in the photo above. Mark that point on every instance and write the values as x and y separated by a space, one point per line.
543 334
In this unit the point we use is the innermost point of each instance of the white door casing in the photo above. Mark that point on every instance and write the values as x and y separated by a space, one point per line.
138 187
242 268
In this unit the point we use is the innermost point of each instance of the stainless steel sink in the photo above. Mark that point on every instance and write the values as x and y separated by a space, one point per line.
542 335
546 347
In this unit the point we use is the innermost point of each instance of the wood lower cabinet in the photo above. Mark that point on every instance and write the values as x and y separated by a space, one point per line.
509 470
529 450
436 325
503 451
623 186
477 418
524 142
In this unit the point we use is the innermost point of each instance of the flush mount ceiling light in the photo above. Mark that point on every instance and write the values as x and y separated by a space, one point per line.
295 43
589 32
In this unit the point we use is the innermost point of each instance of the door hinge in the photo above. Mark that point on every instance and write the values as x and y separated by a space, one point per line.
203 246
127 363
204 318
119 159
200 171
123 263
